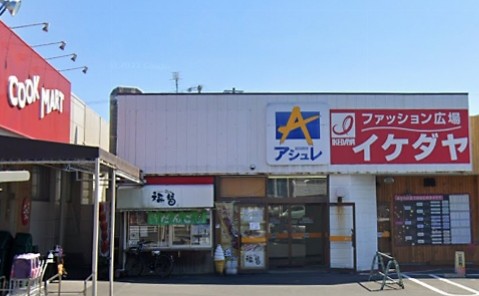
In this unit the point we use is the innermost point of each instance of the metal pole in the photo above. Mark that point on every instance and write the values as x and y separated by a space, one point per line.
60 284
96 218
112 228
61 198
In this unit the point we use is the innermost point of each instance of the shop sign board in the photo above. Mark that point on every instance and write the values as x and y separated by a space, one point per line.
297 134
400 136
178 218
165 197
34 97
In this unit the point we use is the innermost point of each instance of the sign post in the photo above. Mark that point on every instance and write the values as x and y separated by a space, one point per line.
460 264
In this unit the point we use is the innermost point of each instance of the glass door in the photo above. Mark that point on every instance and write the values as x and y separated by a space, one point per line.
309 224
253 237
279 236
297 234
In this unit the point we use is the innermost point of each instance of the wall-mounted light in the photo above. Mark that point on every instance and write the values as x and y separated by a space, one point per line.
73 57
44 26
62 44
84 69
13 6
389 180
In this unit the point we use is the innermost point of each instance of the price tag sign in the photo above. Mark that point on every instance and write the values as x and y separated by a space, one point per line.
254 226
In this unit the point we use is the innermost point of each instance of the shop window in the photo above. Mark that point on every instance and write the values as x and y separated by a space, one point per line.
283 187
181 235
187 229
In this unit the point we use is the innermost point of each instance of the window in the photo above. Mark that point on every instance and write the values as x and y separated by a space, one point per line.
181 235
283 187
171 229
86 189
278 188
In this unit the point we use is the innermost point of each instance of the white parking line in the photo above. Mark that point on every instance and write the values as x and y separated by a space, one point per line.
455 284
432 288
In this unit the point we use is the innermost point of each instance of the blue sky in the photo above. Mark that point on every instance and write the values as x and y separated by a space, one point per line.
256 46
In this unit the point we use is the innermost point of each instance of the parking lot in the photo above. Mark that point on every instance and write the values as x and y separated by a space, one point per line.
444 283
433 282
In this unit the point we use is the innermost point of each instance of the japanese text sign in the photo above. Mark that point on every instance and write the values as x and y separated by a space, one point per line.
297 134
178 218
400 136
166 196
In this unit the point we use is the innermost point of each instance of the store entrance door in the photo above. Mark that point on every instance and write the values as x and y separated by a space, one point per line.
253 237
342 236
296 235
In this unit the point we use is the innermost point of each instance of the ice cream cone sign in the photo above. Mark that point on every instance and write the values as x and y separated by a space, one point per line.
219 259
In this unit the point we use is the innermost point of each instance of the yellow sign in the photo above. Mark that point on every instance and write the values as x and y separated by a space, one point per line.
460 263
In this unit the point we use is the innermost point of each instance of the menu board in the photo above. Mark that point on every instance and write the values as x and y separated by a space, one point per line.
431 219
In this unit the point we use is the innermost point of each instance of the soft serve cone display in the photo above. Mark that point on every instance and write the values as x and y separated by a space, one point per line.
219 259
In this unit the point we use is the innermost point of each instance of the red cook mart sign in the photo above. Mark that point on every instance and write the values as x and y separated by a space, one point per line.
34 97
400 136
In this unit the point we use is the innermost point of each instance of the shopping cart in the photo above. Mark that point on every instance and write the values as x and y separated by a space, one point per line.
25 283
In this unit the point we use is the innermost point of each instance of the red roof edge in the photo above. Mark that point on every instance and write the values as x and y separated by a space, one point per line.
182 180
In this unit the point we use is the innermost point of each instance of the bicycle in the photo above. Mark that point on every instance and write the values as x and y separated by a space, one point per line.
154 260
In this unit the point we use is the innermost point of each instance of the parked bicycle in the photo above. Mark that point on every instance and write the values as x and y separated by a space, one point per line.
138 258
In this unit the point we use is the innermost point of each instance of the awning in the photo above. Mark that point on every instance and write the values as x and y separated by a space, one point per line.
74 158
18 151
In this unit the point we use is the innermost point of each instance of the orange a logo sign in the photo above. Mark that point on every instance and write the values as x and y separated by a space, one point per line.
296 121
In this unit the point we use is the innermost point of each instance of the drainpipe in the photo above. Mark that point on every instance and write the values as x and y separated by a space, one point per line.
112 227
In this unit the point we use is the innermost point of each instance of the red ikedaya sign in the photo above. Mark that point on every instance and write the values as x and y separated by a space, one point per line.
34 97
398 136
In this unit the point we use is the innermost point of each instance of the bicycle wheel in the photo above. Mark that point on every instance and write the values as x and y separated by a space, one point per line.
133 265
163 265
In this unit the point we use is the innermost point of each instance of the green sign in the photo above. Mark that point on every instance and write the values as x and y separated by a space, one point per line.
178 218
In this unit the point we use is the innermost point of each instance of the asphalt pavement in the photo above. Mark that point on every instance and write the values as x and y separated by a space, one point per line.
295 282
281 277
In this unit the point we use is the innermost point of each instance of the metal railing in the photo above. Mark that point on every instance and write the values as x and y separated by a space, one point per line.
85 282
384 271
3 285
58 277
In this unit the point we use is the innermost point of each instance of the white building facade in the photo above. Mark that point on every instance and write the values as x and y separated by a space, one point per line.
294 174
